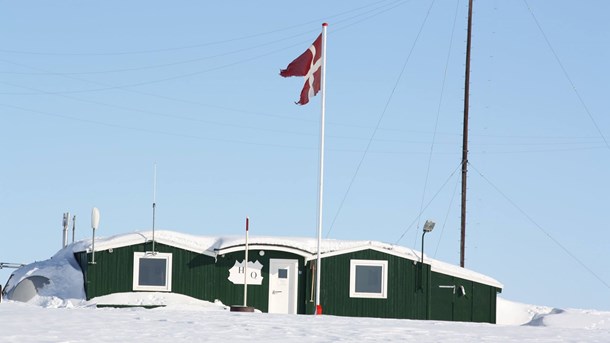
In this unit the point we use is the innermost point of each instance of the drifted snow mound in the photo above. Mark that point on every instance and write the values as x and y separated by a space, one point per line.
513 313
573 319
169 300
61 279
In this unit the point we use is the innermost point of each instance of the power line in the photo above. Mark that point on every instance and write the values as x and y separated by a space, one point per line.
438 113
410 226
541 229
565 73
385 108
438 244
134 128
199 72
157 66
199 45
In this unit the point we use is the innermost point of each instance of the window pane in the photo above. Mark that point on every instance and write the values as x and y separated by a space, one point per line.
368 279
152 272
282 273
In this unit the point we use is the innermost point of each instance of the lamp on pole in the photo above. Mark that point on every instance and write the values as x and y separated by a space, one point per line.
428 227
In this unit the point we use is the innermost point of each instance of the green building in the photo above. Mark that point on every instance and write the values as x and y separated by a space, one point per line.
358 278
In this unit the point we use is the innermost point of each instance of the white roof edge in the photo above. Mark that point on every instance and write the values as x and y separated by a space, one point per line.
410 256
241 247
139 237
435 265
306 247
466 274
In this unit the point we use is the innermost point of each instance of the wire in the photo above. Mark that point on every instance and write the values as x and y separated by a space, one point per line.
385 108
390 7
565 73
138 52
174 116
157 66
438 113
440 238
96 122
170 78
191 74
541 229
429 202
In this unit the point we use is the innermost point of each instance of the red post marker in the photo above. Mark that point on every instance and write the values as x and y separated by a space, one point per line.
318 309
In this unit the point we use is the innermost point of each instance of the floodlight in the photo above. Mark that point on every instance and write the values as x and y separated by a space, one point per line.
429 226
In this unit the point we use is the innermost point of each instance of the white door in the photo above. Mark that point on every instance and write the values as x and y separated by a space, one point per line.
283 286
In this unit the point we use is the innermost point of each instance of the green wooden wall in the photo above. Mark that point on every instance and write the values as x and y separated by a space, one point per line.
406 297
193 274
478 304
413 291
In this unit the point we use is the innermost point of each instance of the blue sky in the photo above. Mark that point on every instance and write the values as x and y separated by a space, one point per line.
93 94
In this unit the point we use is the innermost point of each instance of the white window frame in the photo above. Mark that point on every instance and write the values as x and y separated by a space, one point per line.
384 279
168 271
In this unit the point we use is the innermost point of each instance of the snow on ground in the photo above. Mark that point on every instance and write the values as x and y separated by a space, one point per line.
184 319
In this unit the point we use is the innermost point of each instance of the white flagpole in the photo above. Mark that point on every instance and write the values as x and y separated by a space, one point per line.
321 178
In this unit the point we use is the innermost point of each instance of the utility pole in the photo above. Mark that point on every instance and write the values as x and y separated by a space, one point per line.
465 138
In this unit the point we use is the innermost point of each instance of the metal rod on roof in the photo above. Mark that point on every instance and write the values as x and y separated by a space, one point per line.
73 227
11 265
154 206
66 223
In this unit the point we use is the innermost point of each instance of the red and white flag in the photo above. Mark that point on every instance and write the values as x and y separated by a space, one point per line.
309 64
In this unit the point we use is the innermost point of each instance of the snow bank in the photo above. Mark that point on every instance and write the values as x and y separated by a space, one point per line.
513 313
24 323
62 270
169 300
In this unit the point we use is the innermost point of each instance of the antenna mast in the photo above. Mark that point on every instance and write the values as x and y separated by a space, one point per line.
465 137
154 205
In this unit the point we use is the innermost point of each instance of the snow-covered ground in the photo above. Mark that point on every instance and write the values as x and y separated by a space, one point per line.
184 319
59 314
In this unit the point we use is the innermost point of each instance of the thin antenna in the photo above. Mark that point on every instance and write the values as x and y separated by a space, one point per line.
73 227
154 205
66 224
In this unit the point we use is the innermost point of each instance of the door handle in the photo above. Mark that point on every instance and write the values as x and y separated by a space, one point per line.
274 292
450 287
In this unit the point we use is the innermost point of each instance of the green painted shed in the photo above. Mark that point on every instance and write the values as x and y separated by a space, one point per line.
358 278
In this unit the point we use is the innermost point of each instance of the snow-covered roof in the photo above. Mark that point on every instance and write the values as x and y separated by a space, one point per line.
304 246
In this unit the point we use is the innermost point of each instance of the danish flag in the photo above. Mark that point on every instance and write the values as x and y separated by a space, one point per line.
309 65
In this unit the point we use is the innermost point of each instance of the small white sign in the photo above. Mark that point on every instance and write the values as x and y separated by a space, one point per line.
236 273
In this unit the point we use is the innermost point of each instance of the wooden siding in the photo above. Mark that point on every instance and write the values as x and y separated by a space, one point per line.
193 274
258 295
405 298
413 291
478 304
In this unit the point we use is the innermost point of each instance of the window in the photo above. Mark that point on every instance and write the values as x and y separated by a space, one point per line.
368 279
282 273
152 272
